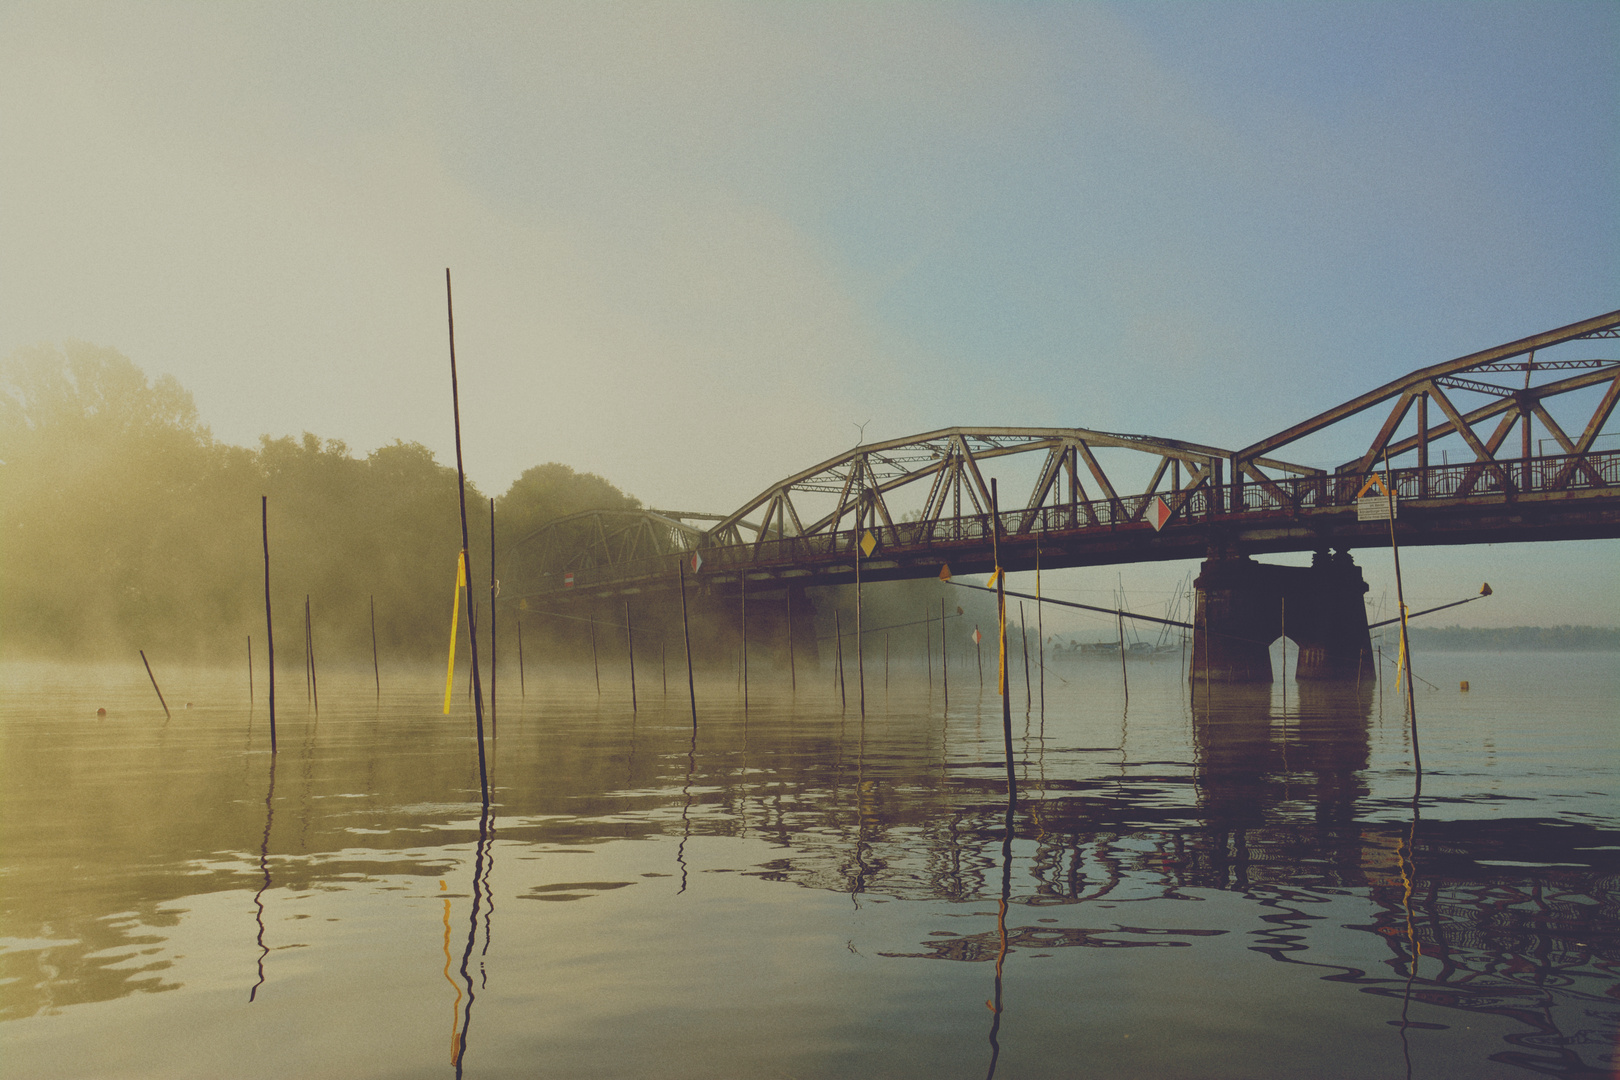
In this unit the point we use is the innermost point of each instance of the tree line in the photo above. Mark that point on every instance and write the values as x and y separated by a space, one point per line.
1564 638
125 524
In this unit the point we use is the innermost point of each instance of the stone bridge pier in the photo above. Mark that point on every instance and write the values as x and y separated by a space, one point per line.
1243 606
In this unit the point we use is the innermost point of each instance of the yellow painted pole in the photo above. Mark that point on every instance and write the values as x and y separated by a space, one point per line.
455 623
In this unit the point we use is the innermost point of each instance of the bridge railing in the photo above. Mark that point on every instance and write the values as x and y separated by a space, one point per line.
1561 472
1567 472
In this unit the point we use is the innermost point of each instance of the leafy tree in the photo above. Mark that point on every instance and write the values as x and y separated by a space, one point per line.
550 491
124 525
101 469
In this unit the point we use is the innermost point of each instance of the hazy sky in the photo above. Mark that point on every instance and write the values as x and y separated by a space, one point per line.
695 244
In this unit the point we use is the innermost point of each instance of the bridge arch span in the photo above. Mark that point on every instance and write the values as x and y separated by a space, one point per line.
943 474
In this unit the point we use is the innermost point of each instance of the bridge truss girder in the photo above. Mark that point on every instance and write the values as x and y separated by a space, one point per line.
607 540
1510 406
950 463
1076 514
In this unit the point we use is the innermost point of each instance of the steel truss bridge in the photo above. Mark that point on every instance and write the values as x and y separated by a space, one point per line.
926 499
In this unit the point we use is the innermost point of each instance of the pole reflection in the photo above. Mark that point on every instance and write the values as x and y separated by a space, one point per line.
264 868
995 1003
483 863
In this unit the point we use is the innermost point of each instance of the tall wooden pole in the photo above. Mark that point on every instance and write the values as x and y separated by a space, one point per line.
309 643
838 634
630 647
595 667
250 670
1023 636
461 492
269 627
860 640
1400 598
1001 618
1040 626
928 642
376 669
1119 615
523 685
944 655
309 683
153 677
742 579
494 724
686 631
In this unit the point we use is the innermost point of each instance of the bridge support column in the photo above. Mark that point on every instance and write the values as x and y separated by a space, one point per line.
1243 606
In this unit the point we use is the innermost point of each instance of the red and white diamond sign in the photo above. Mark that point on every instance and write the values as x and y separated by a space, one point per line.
1158 512
977 637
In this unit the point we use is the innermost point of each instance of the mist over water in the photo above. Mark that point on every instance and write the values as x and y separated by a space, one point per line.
1225 885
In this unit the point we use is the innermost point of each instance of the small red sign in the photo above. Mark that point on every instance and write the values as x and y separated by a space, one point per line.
568 580
1158 512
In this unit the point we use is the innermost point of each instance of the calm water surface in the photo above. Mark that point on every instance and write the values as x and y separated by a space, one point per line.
1232 887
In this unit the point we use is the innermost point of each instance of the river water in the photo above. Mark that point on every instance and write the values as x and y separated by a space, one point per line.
1236 884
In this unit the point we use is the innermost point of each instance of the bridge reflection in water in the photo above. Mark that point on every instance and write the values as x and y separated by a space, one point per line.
1239 881
1510 919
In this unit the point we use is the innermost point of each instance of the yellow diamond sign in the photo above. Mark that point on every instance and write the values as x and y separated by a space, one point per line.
868 543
